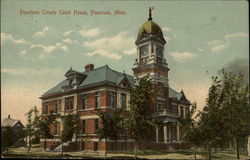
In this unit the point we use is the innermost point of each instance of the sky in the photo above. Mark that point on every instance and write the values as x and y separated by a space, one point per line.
38 49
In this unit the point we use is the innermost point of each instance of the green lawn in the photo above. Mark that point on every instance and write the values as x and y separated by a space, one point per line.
146 154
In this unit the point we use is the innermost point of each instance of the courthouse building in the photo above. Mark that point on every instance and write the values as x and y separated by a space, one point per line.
104 89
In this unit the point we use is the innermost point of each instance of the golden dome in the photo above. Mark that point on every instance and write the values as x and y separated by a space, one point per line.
150 27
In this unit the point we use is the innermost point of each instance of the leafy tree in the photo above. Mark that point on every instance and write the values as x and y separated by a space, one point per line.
111 125
140 120
68 129
43 125
211 125
77 127
8 138
235 107
191 131
30 128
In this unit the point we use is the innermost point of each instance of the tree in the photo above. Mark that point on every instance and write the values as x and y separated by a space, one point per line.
140 120
30 128
111 125
235 107
68 129
43 126
211 125
8 138
191 131
77 127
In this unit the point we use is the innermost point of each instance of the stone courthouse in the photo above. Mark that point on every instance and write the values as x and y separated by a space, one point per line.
104 89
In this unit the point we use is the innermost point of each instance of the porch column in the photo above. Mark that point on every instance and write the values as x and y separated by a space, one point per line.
75 103
178 132
170 134
63 105
157 134
165 131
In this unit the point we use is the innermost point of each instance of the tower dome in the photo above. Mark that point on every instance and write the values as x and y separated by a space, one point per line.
150 28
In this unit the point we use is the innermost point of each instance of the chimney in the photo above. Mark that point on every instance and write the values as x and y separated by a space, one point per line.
8 116
89 67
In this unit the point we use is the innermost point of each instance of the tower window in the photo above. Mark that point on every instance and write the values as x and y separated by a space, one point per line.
160 105
160 88
144 51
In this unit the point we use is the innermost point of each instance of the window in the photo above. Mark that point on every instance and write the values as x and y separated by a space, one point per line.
56 107
46 110
82 145
113 146
95 146
97 99
159 51
96 125
158 60
69 104
55 129
160 88
83 126
144 51
144 61
160 105
112 99
182 112
186 111
123 100
84 102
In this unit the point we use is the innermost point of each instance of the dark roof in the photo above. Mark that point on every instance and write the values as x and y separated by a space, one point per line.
176 95
95 76
9 122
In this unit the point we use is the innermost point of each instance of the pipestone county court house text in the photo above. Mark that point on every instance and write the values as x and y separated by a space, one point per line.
104 89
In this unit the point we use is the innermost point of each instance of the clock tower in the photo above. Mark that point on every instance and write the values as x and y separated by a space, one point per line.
150 60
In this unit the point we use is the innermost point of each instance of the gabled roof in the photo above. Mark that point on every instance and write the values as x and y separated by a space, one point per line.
95 76
175 95
9 122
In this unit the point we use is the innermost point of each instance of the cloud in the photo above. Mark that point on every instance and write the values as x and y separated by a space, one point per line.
50 48
117 42
130 51
23 52
166 29
200 49
68 32
218 45
42 33
30 71
235 35
182 56
90 32
70 41
9 37
105 53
